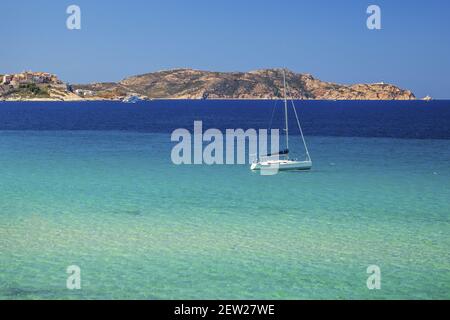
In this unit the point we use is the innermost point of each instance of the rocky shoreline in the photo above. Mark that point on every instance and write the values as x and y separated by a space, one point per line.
196 84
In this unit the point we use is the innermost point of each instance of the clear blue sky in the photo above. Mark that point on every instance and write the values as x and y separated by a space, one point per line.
328 39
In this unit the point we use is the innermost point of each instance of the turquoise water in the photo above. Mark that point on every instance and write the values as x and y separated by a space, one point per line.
141 228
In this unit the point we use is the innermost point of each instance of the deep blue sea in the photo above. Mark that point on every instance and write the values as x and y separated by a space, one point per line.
387 119
92 184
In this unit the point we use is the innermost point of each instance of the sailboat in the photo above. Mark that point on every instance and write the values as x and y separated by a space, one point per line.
280 160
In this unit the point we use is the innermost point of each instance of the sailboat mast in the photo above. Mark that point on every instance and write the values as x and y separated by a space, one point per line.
286 110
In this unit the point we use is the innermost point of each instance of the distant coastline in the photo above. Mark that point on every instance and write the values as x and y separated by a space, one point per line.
189 84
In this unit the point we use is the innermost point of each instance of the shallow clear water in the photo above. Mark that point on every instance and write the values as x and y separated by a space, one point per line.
140 227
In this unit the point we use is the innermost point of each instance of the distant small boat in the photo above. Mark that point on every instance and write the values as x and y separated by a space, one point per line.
282 161
427 98
131 99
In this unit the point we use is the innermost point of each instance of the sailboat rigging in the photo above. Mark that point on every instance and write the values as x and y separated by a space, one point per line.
280 160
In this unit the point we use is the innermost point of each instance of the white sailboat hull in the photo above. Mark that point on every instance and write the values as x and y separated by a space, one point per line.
282 165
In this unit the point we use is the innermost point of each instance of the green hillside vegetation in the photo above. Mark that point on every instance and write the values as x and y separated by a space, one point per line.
30 90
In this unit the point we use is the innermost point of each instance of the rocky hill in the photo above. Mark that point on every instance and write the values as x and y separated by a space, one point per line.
260 84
